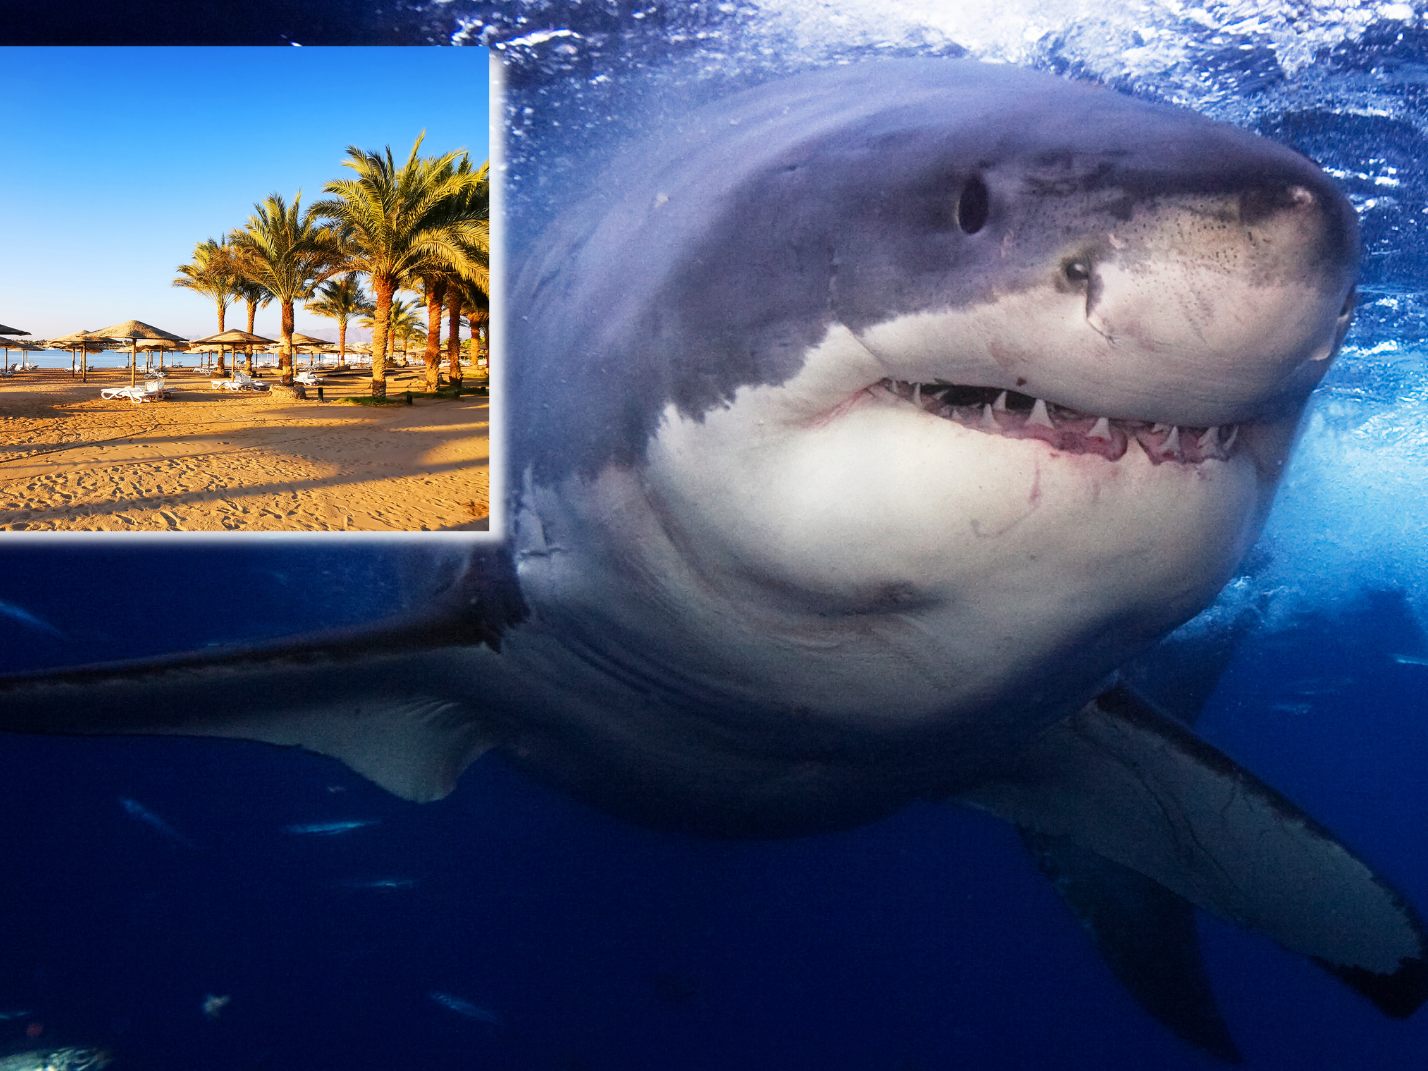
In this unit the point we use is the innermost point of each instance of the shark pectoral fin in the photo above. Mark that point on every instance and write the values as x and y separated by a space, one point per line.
1140 790
1146 935
383 700
414 747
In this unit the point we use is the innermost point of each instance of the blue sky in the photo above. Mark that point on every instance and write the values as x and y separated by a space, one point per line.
117 161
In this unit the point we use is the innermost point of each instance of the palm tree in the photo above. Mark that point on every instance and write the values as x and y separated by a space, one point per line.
441 286
468 299
434 286
456 301
287 252
255 297
395 220
403 324
412 331
479 315
211 274
341 299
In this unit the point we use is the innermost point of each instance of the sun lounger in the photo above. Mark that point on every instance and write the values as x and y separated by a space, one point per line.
153 390
240 381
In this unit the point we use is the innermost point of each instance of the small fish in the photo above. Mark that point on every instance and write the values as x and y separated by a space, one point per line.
213 1005
377 883
10 1016
20 614
463 1007
69 1058
1411 659
1324 686
137 810
329 829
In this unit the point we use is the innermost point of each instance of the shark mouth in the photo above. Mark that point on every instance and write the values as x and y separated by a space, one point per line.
1020 416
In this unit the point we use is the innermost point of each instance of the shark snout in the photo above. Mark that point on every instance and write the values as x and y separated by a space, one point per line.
1311 209
1233 302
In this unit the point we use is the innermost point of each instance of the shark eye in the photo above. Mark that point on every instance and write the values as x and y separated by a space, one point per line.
1077 271
973 206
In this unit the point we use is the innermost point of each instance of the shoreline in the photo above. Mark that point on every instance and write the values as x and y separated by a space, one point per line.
211 460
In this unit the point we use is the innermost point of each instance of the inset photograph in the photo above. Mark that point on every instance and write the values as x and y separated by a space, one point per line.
244 294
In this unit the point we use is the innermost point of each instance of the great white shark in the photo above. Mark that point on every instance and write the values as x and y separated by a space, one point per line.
864 425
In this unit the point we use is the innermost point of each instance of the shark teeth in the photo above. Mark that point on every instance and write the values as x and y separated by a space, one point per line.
1019 416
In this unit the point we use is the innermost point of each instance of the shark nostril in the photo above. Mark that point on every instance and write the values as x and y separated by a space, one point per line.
1261 202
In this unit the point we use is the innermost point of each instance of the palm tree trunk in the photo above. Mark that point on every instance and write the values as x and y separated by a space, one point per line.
453 338
435 298
342 341
222 314
480 321
285 349
382 288
252 316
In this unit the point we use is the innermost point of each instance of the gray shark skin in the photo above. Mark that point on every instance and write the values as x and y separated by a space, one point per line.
864 425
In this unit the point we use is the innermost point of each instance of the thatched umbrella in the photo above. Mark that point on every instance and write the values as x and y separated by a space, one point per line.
232 339
132 331
10 331
86 342
309 343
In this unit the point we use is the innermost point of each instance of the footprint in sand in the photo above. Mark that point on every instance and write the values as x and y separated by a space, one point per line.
171 520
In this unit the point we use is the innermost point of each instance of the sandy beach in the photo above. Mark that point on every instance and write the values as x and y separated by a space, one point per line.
210 460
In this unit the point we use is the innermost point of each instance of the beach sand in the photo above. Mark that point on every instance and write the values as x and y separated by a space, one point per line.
211 460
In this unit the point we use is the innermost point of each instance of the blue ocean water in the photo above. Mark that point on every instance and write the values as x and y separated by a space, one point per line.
508 927
64 359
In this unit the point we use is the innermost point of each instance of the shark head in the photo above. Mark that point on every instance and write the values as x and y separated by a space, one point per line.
963 383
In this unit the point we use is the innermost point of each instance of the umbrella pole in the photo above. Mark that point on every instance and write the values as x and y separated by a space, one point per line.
133 361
